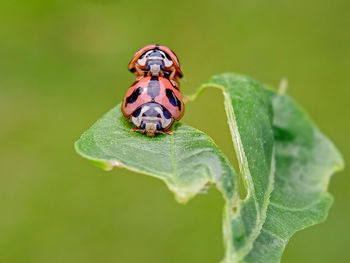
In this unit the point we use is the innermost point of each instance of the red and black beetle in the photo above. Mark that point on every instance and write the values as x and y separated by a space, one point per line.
152 104
156 60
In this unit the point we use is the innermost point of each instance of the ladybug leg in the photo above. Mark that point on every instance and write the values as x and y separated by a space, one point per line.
139 73
172 77
175 83
167 132
137 130
157 132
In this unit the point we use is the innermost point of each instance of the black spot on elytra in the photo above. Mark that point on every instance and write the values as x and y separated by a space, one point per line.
137 112
153 88
166 113
167 56
143 54
172 98
133 97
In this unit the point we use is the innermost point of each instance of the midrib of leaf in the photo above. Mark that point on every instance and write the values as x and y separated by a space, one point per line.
237 144
246 176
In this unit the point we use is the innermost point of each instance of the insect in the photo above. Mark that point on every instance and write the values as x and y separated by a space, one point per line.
156 60
153 104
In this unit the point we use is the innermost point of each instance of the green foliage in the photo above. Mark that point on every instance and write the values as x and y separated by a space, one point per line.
285 164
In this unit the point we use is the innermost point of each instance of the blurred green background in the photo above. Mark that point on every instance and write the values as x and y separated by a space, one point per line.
64 63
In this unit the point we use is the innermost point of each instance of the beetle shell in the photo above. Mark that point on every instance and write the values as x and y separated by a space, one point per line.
169 60
154 90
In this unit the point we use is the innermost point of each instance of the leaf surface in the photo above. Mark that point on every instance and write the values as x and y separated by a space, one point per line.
305 160
186 160
249 113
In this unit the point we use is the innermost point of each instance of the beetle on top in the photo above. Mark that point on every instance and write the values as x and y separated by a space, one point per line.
156 60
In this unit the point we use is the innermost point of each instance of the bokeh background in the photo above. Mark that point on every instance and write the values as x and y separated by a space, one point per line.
63 64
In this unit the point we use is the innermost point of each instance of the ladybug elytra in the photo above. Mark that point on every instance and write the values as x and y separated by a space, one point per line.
153 104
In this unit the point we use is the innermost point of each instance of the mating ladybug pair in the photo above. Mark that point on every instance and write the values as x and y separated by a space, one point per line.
154 101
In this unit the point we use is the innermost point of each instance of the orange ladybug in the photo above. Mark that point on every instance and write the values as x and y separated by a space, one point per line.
156 60
153 104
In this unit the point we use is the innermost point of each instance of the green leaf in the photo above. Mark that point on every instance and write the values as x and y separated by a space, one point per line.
305 160
269 132
249 112
186 160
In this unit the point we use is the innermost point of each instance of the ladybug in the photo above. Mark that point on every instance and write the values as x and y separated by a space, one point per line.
156 60
153 104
